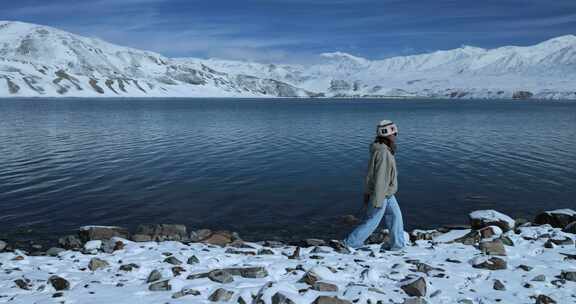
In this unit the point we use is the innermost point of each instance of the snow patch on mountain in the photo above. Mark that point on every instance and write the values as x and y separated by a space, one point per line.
43 61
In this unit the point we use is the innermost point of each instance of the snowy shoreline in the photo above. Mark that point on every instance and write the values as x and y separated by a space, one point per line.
496 260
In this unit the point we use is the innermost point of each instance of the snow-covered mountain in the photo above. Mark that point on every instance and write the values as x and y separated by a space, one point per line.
42 61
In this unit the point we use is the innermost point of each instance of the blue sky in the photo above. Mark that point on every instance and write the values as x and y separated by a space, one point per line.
298 30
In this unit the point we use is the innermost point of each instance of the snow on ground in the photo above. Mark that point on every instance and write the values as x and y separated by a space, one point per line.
272 274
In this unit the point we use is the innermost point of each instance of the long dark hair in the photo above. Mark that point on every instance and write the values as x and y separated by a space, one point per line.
387 142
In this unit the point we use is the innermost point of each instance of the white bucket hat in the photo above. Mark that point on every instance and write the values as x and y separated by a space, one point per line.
386 128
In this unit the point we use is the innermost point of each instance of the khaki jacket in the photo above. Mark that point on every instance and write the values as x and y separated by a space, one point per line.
381 180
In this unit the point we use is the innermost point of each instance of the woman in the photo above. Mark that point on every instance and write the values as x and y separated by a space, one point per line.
381 185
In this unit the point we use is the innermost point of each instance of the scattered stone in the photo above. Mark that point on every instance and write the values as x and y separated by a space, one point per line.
154 276
562 242
235 251
296 254
507 241
265 251
164 232
192 260
559 218
220 238
129 267
279 298
453 261
172 260
248 272
416 300
160 286
23 284
570 228
141 238
200 235
525 267
543 299
220 276
484 218
96 263
494 263
414 287
54 251
471 238
436 293
339 247
221 295
568 275
539 278
59 283
70 242
498 285
178 270
313 242
379 237
309 278
330 300
90 233
57 294
185 292
324 286
423 235
495 247
490 232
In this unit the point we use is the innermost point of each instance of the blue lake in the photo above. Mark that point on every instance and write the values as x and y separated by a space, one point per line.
274 168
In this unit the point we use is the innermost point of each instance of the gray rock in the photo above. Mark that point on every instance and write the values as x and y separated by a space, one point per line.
172 260
313 242
417 300
570 228
507 241
539 278
568 275
525 267
265 251
54 251
3 245
23 284
91 233
192 260
556 218
129 267
185 292
96 263
421 235
220 238
221 295
59 283
485 218
253 272
164 232
71 242
160 286
200 235
415 288
330 300
141 238
309 278
498 285
220 276
279 298
324 286
154 276
471 238
495 247
562 242
339 247
494 263
543 299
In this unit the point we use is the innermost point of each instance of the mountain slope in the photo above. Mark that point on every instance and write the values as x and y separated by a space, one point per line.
43 61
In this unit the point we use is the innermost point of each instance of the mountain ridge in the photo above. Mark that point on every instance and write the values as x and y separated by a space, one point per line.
38 61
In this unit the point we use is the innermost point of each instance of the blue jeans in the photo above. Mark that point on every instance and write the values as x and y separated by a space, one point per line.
393 220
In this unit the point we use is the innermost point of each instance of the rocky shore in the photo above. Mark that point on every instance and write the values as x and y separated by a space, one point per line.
494 259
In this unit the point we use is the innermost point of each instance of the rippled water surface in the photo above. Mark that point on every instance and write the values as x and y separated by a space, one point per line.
270 168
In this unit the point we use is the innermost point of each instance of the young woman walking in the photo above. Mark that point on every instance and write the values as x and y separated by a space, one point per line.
381 185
